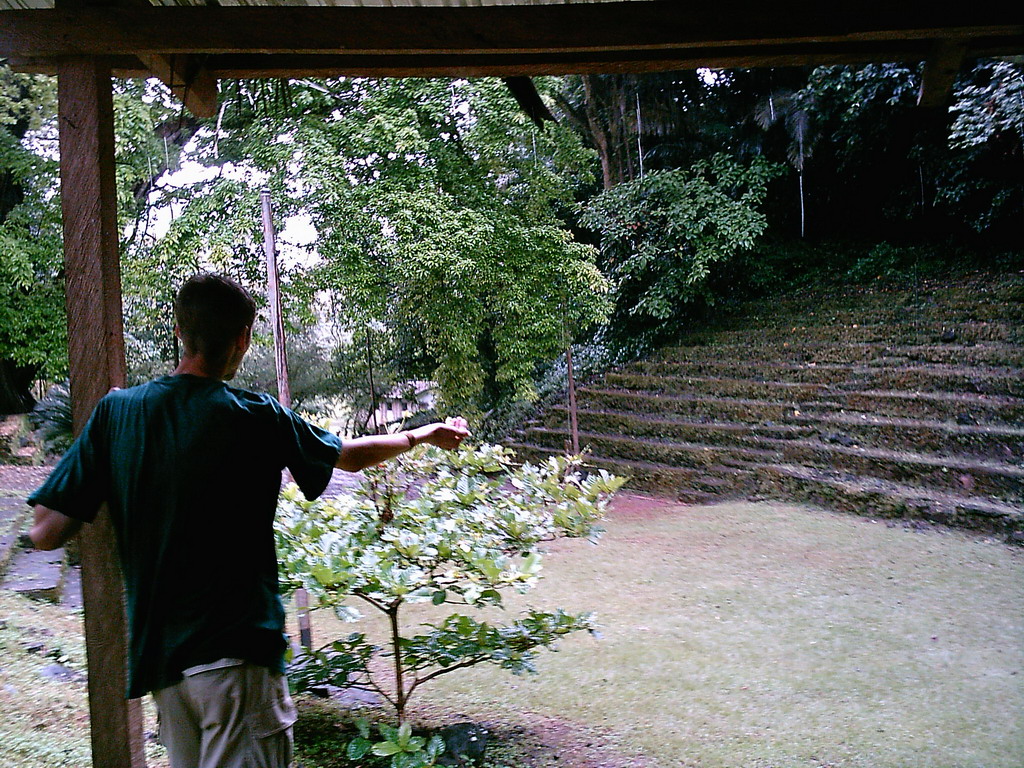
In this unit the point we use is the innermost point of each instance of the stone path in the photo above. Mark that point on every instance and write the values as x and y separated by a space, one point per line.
37 574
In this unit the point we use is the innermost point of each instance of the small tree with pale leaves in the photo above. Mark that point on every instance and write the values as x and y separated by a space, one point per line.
451 528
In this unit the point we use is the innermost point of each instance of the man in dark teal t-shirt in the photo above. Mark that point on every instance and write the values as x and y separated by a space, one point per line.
190 470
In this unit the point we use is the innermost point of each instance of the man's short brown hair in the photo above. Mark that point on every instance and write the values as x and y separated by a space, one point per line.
211 310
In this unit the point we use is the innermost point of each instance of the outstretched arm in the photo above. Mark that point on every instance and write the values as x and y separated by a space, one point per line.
363 452
52 529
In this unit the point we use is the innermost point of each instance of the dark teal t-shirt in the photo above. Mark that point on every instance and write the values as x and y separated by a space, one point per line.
190 469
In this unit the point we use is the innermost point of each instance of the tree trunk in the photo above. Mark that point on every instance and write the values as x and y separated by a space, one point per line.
396 649
800 176
598 132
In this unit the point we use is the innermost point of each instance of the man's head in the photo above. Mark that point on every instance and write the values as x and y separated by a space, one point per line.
214 317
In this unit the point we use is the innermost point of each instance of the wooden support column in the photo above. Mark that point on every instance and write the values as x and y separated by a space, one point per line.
96 356
187 79
940 71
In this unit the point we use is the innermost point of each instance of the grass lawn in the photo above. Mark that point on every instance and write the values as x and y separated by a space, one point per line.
44 722
756 635
734 636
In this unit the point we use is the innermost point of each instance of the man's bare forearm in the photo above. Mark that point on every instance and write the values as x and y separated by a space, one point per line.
362 452
52 529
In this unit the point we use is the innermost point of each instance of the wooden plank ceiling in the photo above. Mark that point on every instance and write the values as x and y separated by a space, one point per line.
191 43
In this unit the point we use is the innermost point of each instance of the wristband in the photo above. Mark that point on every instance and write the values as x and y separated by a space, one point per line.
412 440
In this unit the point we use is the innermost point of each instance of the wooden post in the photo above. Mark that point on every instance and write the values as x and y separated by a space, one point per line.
284 392
96 357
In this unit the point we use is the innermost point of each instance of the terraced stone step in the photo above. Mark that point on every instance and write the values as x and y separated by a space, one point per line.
876 497
1002 443
877 375
682 430
685 406
790 392
954 408
905 334
985 441
1006 293
695 486
961 408
952 474
908 401
992 355
631 448
901 314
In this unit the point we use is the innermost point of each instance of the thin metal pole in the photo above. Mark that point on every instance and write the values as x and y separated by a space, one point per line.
284 392
373 391
574 432
639 132
573 423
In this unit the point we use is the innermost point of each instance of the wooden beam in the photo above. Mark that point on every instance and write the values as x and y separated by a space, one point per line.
615 26
187 78
940 71
257 65
96 357
505 65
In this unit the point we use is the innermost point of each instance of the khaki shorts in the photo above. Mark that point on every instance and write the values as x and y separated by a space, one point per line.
227 714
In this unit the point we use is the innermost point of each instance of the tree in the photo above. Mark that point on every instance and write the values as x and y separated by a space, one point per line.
149 135
666 120
449 528
989 120
793 110
434 202
435 205
32 324
887 169
662 235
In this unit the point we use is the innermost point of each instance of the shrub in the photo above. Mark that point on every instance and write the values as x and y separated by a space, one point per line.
662 234
456 528
52 419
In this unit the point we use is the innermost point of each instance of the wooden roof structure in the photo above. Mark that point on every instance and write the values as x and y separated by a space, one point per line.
194 42
190 44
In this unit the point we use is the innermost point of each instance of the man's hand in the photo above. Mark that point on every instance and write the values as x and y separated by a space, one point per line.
448 435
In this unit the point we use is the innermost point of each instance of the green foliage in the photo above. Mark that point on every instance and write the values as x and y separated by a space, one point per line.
32 325
447 528
27 102
590 359
434 202
987 140
662 235
991 108
33 328
52 418
884 261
